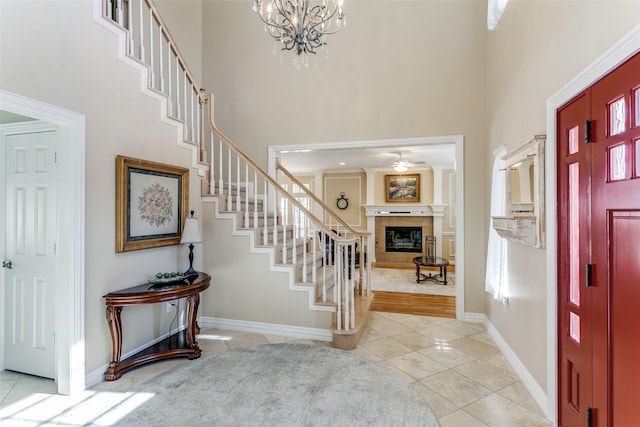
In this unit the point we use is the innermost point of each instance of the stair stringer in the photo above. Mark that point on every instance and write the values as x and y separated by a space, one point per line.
145 87
310 288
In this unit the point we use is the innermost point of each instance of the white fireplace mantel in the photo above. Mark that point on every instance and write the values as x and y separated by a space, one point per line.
404 209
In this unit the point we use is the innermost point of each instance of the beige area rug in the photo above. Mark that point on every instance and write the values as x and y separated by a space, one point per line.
397 280
283 385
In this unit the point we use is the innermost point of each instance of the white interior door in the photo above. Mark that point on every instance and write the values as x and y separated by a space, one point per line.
30 248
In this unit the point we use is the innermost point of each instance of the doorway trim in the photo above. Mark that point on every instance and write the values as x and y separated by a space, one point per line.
625 48
70 263
458 142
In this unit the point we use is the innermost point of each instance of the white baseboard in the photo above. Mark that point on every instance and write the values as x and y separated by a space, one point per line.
474 318
538 394
267 328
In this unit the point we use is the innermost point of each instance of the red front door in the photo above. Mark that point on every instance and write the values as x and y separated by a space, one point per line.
599 252
575 362
615 219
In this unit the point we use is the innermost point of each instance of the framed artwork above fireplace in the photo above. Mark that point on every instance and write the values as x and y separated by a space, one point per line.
402 188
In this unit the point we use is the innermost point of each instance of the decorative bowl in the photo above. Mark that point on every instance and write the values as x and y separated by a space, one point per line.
161 278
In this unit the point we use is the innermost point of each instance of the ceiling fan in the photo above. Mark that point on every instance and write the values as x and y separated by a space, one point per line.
402 165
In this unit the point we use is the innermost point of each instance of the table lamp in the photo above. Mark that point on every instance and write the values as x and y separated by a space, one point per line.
191 235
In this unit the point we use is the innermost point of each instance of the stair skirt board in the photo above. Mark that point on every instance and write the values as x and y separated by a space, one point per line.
146 90
275 265
266 328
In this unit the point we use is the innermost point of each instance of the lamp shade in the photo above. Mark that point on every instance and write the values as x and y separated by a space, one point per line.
191 232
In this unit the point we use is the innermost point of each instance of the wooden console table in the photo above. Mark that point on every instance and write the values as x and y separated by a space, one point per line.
180 344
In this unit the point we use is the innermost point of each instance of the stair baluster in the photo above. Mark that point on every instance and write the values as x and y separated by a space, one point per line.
295 233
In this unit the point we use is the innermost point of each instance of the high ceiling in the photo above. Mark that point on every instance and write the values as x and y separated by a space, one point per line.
373 156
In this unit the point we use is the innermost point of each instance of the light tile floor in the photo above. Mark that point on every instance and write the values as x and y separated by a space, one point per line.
454 365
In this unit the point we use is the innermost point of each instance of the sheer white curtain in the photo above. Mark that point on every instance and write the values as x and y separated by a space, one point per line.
495 9
495 279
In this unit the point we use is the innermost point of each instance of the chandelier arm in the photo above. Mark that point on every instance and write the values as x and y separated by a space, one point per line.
283 12
318 24
317 11
297 24
272 24
280 10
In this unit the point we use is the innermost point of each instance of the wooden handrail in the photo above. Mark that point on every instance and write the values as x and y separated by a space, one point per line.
209 100
322 204
165 31
190 103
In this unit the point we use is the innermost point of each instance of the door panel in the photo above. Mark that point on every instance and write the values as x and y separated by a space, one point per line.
30 233
602 366
616 196
625 295
574 299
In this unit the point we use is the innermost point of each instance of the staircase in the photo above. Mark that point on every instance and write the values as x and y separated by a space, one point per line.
308 240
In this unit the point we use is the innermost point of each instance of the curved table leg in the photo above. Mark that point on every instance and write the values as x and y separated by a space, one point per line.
192 327
115 327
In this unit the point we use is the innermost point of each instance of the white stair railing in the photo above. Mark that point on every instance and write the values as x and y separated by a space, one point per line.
285 222
300 238
333 221
150 43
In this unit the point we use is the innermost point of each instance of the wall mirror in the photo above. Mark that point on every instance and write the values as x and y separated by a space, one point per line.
524 176
521 184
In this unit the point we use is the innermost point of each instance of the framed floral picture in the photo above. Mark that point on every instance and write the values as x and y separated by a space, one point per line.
152 200
402 188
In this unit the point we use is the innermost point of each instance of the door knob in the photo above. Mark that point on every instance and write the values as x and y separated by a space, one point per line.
7 264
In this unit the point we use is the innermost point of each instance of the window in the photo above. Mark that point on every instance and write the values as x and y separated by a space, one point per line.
495 9
574 234
617 117
574 327
636 94
617 164
573 140
637 144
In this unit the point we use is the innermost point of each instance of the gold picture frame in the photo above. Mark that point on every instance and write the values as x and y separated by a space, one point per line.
152 201
402 188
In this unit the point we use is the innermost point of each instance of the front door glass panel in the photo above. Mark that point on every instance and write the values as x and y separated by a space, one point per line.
574 234
574 327
637 145
573 140
617 113
617 163
636 94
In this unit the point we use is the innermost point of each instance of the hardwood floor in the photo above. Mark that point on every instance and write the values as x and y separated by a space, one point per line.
424 305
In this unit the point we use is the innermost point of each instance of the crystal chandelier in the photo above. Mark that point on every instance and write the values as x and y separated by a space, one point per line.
300 25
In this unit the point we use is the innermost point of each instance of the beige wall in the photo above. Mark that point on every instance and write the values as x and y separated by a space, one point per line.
184 20
398 69
538 48
242 290
354 187
75 67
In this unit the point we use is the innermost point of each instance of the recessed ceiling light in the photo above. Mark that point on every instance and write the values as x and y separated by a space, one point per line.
342 163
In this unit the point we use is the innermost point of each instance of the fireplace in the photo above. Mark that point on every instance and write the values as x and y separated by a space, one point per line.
403 239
